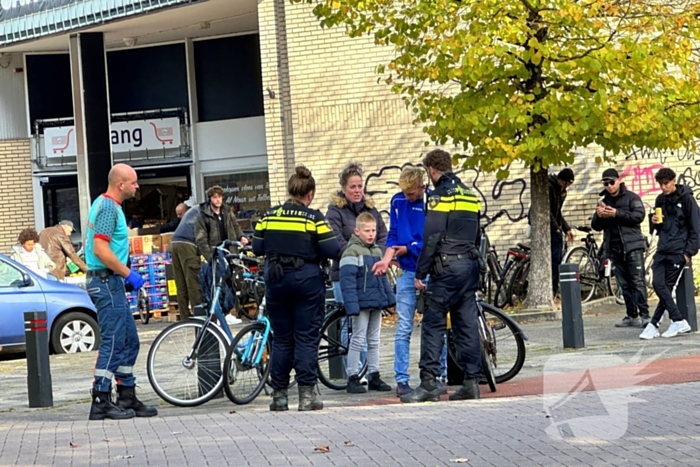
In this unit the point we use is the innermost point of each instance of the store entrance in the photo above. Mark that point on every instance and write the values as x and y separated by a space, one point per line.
61 200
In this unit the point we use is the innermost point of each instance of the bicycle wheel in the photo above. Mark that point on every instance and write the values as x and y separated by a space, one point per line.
508 344
517 287
333 351
614 289
184 370
247 365
587 270
143 306
500 298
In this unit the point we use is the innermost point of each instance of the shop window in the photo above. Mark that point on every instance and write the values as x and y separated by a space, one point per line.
248 193
49 87
229 78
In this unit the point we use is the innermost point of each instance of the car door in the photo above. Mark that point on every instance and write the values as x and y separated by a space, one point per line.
16 298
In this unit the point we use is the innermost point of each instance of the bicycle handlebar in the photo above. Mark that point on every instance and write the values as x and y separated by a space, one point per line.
493 218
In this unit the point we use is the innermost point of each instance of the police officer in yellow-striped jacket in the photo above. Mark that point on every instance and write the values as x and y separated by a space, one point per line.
294 239
450 256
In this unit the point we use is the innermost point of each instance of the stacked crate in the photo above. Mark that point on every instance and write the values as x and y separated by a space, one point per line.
152 269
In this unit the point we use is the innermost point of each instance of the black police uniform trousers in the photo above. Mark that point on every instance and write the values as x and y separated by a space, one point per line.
667 270
295 306
455 291
629 274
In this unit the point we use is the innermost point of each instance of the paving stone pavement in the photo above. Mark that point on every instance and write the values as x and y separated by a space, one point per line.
503 431
649 429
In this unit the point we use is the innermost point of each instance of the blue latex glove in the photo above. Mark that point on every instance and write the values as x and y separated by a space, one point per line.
134 279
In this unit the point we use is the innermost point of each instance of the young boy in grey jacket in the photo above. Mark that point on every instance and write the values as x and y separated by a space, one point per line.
364 296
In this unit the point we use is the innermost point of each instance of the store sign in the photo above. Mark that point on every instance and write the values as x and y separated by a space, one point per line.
15 8
136 135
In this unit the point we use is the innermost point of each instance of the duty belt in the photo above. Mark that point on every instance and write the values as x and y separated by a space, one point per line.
101 273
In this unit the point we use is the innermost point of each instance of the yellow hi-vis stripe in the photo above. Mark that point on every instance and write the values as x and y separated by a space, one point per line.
289 224
457 203
322 228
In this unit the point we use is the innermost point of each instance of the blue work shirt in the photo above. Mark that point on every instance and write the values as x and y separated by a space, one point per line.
106 221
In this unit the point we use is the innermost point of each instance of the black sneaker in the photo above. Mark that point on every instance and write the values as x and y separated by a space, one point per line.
628 322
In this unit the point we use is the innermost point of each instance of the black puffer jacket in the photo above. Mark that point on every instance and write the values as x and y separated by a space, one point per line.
556 201
628 219
341 216
678 233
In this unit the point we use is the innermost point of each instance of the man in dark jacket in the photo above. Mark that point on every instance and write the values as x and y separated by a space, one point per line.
558 186
619 215
171 226
186 263
216 222
677 220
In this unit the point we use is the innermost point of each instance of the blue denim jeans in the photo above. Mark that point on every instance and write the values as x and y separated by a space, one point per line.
406 310
119 345
338 294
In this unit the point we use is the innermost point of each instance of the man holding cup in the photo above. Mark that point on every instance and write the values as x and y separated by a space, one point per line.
678 225
619 215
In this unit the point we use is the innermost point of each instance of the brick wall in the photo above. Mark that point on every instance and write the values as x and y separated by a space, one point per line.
16 203
329 109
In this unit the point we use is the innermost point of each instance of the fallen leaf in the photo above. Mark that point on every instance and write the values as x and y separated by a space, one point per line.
73 445
232 412
323 449
128 456
461 460
106 440
347 442
599 314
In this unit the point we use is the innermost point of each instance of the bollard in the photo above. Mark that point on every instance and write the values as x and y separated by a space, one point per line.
571 315
209 372
38 367
685 297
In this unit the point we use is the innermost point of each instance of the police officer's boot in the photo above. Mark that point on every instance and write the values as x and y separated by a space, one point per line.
428 390
279 401
468 391
308 399
103 407
127 400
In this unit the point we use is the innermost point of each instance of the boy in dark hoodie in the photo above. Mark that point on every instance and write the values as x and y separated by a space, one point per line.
678 227
364 297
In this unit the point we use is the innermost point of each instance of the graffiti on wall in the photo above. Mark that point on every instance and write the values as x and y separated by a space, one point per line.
509 195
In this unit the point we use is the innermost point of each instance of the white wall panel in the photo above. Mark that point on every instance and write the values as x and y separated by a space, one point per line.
231 145
13 109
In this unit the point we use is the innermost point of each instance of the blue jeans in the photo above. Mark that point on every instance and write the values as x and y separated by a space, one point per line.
406 310
338 294
119 345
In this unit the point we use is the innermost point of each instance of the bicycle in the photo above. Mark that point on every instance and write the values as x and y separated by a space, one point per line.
512 288
493 274
502 345
184 364
587 257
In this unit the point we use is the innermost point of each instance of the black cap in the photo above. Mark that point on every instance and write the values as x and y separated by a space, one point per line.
610 174
566 175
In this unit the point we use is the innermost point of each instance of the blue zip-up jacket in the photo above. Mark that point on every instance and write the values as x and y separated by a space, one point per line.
185 230
361 288
406 223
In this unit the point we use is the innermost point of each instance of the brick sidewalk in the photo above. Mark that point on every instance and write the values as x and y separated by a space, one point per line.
491 432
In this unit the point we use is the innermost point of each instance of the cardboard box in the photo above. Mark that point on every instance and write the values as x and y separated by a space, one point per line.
145 245
165 240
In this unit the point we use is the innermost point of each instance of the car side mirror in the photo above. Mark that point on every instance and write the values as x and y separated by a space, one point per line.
26 280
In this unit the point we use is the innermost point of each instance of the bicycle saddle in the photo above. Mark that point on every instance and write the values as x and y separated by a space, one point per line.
523 247
583 228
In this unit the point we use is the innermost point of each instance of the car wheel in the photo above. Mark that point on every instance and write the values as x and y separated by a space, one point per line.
75 332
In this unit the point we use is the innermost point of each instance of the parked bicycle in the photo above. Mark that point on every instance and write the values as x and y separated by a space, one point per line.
184 365
502 345
595 278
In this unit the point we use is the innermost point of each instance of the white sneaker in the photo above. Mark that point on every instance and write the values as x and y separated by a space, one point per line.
677 327
232 320
649 332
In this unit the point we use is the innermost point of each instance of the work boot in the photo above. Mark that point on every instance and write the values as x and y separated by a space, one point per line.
354 385
279 401
375 383
126 399
428 390
308 399
102 407
467 391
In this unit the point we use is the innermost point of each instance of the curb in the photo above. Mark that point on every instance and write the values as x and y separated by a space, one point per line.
590 308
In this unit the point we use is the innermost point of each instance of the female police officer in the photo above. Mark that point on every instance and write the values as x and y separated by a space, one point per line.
294 239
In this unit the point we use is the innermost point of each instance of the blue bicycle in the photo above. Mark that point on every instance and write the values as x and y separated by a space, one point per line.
184 364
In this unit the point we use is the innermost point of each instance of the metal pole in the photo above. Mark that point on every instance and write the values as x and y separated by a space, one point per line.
685 295
39 386
571 315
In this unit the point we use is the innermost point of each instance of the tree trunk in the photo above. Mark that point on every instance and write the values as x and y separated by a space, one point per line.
540 282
